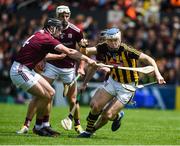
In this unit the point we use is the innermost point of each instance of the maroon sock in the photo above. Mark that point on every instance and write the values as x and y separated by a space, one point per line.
27 122
46 118
39 121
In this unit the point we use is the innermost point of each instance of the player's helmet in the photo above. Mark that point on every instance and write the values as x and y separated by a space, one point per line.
62 9
103 33
113 38
113 33
53 22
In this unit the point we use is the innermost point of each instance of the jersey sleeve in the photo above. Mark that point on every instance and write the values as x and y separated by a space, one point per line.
132 52
101 52
79 36
51 44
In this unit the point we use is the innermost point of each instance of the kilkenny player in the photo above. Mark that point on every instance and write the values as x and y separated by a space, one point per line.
112 97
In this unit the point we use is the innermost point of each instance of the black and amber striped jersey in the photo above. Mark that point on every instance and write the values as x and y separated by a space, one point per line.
124 56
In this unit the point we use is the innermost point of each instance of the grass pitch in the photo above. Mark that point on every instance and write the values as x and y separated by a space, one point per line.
139 127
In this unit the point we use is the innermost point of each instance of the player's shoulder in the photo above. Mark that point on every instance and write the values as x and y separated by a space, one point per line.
126 47
41 34
74 28
44 36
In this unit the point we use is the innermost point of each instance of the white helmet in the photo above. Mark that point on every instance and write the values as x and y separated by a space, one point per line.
62 9
113 33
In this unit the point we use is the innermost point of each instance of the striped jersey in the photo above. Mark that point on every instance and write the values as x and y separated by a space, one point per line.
125 56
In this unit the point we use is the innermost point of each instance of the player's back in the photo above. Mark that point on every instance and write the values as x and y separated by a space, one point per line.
35 48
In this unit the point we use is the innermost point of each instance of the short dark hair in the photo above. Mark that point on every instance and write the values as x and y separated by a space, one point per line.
52 22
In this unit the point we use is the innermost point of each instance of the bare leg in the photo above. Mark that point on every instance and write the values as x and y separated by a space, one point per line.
48 106
97 104
109 113
44 92
72 93
32 108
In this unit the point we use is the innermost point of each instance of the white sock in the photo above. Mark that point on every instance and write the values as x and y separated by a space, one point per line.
38 127
46 124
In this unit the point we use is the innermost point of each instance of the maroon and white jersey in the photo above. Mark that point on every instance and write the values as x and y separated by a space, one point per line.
69 37
35 48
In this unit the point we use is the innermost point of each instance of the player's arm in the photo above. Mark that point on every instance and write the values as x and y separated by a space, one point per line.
90 72
74 54
159 77
83 43
51 56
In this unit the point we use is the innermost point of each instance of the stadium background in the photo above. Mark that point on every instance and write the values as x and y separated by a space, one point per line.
149 25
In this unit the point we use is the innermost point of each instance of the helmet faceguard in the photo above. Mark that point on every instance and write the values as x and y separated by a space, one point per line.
63 13
62 9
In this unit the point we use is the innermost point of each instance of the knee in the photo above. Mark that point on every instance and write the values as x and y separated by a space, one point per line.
72 99
104 117
51 94
109 115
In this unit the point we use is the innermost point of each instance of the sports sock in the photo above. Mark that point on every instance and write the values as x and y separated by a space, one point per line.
27 122
38 124
70 117
77 122
117 117
45 122
91 119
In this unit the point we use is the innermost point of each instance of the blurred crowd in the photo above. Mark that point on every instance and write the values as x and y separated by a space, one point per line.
148 25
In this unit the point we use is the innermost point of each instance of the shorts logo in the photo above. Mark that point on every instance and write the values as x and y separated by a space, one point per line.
69 35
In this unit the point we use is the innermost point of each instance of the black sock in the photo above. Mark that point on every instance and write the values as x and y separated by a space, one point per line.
46 118
117 116
91 119
27 122
70 117
77 122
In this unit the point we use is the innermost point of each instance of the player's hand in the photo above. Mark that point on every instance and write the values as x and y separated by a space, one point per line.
83 43
92 62
62 55
81 71
160 80
83 50
105 69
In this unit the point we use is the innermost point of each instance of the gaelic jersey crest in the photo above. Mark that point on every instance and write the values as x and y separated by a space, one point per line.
70 35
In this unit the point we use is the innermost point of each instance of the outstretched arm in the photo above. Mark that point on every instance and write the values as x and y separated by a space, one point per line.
51 56
159 77
73 53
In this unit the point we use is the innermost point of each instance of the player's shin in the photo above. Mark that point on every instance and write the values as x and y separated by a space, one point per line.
91 120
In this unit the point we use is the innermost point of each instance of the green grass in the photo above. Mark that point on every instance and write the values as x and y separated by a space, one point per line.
142 127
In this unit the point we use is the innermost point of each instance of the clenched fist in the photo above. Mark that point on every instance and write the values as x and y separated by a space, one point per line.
83 43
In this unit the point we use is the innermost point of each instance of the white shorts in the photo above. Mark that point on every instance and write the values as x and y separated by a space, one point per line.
22 76
66 75
117 90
